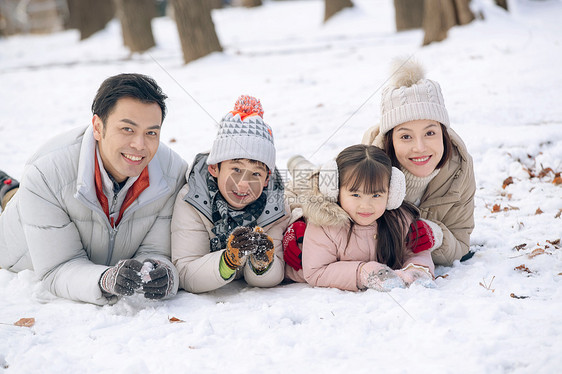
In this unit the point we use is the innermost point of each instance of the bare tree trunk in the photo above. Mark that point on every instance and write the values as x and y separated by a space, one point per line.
196 29
136 17
250 3
408 14
502 3
217 4
332 7
435 24
440 15
89 16
464 14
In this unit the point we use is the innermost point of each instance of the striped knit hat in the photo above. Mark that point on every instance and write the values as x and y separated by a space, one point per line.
409 97
243 134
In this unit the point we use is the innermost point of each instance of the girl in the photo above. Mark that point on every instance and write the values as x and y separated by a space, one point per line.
357 225
415 133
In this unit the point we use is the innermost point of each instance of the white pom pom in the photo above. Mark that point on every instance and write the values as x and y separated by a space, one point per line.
405 72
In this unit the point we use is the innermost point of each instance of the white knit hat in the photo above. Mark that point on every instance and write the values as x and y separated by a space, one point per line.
408 97
243 134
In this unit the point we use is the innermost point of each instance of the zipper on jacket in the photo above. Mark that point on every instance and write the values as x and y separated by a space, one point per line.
111 244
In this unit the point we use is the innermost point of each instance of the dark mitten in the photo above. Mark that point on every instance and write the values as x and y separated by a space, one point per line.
239 245
122 279
263 252
292 244
157 278
421 236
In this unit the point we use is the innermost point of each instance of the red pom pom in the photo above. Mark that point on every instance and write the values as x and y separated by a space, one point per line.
248 105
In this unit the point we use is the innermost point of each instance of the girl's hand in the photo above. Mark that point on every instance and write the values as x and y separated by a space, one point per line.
378 277
415 274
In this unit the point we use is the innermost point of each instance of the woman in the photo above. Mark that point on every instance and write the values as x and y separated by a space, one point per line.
415 133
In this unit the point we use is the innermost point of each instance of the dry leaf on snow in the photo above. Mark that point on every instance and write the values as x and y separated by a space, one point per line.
25 322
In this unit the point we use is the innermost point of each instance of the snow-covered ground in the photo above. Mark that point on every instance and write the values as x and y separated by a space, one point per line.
320 88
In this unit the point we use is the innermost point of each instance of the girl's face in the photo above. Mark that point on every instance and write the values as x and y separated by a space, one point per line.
364 209
418 146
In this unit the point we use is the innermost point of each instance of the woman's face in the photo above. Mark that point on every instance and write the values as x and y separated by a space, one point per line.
418 146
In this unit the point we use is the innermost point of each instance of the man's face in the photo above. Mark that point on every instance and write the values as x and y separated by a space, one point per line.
130 137
240 182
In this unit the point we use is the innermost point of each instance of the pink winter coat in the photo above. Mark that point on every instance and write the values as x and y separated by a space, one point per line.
329 261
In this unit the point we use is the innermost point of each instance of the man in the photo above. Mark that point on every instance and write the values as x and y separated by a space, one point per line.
95 204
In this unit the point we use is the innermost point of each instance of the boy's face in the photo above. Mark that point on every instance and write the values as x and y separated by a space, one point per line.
240 182
130 137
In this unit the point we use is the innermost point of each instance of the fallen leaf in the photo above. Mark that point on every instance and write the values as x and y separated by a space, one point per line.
25 322
558 214
557 179
555 243
520 246
522 268
496 208
536 252
173 140
442 276
544 172
507 182
175 320
539 211
518 297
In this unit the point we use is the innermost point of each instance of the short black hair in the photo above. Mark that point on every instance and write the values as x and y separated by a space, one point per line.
136 86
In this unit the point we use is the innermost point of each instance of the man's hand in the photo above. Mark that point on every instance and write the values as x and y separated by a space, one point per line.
158 283
122 279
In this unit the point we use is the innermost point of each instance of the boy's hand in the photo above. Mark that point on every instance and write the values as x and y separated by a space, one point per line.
239 245
264 251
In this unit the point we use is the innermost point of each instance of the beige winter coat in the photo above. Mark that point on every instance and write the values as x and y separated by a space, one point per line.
199 267
448 200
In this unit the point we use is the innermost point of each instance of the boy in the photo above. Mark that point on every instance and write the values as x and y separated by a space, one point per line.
229 218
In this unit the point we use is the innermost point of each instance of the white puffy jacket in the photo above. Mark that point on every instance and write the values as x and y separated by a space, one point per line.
55 225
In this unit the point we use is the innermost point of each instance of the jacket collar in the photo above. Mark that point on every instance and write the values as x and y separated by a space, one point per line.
85 180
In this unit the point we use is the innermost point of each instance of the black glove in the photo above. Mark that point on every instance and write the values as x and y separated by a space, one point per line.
122 279
158 283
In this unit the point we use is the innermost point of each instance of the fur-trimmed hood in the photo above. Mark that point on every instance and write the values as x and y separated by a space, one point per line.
306 200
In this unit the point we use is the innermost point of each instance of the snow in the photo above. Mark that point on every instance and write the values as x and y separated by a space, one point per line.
320 89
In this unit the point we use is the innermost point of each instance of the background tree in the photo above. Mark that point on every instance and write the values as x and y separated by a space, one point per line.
136 17
196 28
502 3
408 14
440 15
331 7
250 3
89 16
